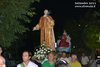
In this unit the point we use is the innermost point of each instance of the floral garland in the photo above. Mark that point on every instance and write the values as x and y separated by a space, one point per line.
40 54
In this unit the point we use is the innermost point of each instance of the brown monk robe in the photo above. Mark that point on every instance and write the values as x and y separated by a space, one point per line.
46 25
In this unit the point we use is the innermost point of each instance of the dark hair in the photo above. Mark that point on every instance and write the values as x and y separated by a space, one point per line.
29 53
51 52
64 52
61 64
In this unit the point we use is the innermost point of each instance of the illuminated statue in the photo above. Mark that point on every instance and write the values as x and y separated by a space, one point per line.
46 25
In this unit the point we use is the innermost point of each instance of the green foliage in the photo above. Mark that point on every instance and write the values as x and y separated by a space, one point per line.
92 30
10 13
91 36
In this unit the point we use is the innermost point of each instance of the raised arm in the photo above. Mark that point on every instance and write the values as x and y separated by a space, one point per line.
37 27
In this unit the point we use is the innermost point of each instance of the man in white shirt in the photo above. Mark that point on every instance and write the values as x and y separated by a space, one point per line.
26 60
84 60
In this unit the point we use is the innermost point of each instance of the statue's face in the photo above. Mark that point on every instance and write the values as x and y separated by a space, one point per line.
46 12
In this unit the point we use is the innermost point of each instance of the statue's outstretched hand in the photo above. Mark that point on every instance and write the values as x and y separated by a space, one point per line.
34 29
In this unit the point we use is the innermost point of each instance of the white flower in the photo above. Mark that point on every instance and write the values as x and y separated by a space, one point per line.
41 52
35 53
44 49
38 57
43 44
36 49
48 51
43 56
44 52
40 49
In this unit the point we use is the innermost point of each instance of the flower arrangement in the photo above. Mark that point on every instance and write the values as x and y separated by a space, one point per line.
40 54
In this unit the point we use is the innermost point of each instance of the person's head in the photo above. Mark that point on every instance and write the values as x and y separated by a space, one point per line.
51 56
2 62
64 54
0 50
26 55
46 12
74 57
61 64
83 54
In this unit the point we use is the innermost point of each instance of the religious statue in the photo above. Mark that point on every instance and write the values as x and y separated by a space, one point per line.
45 25
64 43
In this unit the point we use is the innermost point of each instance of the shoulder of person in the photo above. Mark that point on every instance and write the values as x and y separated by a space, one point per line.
45 62
19 65
35 65
78 63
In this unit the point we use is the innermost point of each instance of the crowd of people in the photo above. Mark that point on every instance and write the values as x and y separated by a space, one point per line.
53 59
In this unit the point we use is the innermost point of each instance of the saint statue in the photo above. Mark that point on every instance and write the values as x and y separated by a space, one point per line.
64 43
45 25
65 40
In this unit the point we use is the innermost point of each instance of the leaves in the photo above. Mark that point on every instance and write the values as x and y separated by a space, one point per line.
92 31
11 12
91 37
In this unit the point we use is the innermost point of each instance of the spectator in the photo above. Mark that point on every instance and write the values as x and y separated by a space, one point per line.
84 60
51 60
2 62
74 62
26 60
64 57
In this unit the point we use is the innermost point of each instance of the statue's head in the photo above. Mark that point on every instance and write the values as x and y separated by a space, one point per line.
46 12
